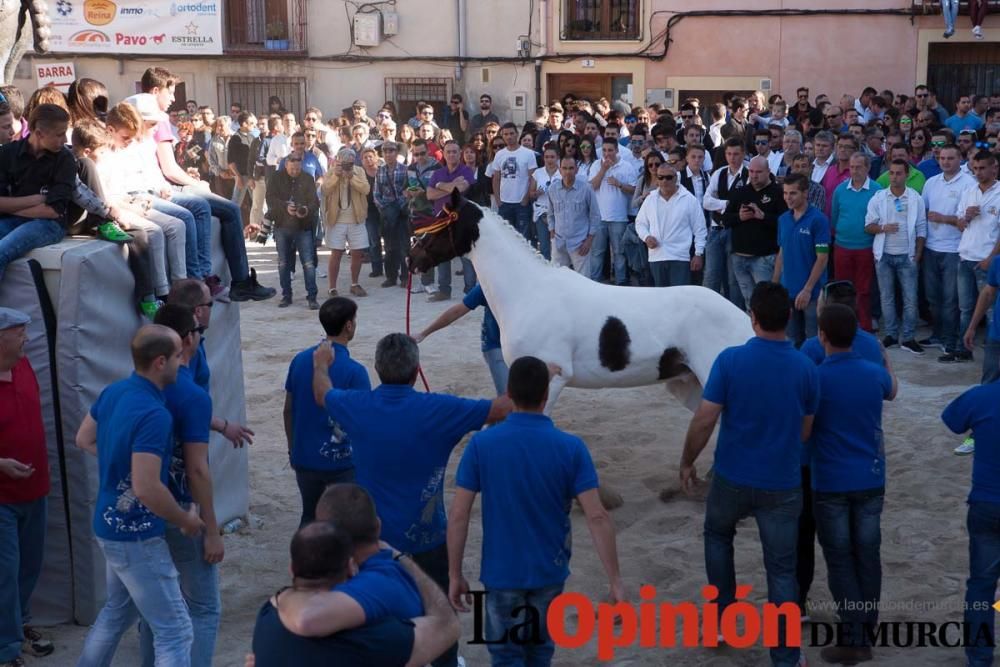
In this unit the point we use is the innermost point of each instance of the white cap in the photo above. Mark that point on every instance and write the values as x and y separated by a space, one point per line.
147 107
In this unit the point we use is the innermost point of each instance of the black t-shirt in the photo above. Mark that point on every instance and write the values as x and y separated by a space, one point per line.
386 643
755 237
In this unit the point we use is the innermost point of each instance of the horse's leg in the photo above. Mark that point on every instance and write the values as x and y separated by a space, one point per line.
556 385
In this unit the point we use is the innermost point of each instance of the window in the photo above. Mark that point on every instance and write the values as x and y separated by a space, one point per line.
254 92
406 92
274 27
602 19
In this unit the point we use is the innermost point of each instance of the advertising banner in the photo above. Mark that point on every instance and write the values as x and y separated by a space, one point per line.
115 27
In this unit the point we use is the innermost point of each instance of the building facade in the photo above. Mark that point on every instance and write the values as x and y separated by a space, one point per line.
328 53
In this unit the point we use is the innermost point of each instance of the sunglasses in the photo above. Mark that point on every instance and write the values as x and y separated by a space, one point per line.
668 177
939 144
585 145
832 115
923 95
762 142
687 116
804 97
984 144
420 154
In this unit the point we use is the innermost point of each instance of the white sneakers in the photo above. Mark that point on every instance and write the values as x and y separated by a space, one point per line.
967 447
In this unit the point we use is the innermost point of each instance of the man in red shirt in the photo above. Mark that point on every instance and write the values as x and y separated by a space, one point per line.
24 485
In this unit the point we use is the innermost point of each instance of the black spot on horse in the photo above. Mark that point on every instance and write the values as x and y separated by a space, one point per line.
613 345
671 364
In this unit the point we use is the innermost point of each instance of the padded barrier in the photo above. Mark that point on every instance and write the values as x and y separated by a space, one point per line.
95 318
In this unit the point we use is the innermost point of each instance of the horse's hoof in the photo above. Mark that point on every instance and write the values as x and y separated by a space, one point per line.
610 498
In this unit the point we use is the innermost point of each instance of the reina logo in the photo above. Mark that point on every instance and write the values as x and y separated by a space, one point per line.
99 12
89 37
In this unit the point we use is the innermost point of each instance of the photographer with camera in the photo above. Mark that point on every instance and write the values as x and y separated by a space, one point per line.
345 190
292 206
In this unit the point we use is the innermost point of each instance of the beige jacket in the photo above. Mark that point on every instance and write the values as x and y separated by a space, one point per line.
359 195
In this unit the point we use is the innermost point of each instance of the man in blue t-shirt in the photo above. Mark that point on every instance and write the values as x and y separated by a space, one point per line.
976 410
190 481
528 472
766 394
321 558
865 344
318 447
130 431
381 589
489 334
402 441
804 250
848 478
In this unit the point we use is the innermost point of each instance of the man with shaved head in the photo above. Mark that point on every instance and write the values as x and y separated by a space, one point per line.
130 431
752 214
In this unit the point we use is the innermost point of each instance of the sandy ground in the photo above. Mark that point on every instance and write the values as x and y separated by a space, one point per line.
635 437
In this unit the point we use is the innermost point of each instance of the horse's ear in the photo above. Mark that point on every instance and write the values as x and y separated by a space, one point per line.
456 198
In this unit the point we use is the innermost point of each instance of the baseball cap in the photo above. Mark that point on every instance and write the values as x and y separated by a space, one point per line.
10 318
360 103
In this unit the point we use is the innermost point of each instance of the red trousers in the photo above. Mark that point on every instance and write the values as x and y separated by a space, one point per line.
858 266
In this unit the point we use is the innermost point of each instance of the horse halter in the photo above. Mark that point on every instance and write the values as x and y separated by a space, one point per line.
445 220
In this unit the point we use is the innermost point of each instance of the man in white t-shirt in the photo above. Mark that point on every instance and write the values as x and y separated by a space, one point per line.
979 220
942 194
511 173
613 180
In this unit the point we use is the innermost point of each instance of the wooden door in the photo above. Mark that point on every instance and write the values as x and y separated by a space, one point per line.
962 69
584 86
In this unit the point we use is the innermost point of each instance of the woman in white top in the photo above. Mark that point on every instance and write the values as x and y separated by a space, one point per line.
541 179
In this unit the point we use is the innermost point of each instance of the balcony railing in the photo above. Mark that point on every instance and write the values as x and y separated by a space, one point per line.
934 6
265 27
601 20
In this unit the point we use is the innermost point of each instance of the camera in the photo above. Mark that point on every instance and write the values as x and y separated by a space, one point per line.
265 231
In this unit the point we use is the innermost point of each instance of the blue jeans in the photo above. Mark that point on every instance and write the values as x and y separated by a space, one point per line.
195 221
22 543
19 236
608 233
519 216
498 369
802 324
716 272
288 241
949 9
312 484
670 273
888 270
141 579
777 516
849 529
941 286
230 232
503 612
374 226
749 270
443 271
971 280
542 232
396 233
991 361
200 587
984 569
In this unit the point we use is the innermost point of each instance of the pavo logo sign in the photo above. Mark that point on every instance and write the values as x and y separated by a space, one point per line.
99 12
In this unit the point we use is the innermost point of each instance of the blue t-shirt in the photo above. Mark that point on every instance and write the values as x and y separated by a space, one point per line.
489 335
801 241
766 388
131 417
199 367
402 440
957 123
191 409
848 452
528 472
318 441
976 410
383 589
864 344
387 643
929 167
993 280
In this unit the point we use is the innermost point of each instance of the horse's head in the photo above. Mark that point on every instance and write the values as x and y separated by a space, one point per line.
447 236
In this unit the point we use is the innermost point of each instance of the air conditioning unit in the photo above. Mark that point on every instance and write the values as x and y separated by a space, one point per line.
368 29
664 96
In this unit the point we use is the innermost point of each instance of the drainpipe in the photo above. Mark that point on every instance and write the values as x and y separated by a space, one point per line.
462 14
543 31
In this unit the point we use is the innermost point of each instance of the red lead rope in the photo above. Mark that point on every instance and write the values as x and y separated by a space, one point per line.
409 285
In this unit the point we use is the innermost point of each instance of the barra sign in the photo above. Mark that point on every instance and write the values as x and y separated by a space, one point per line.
59 75
135 27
